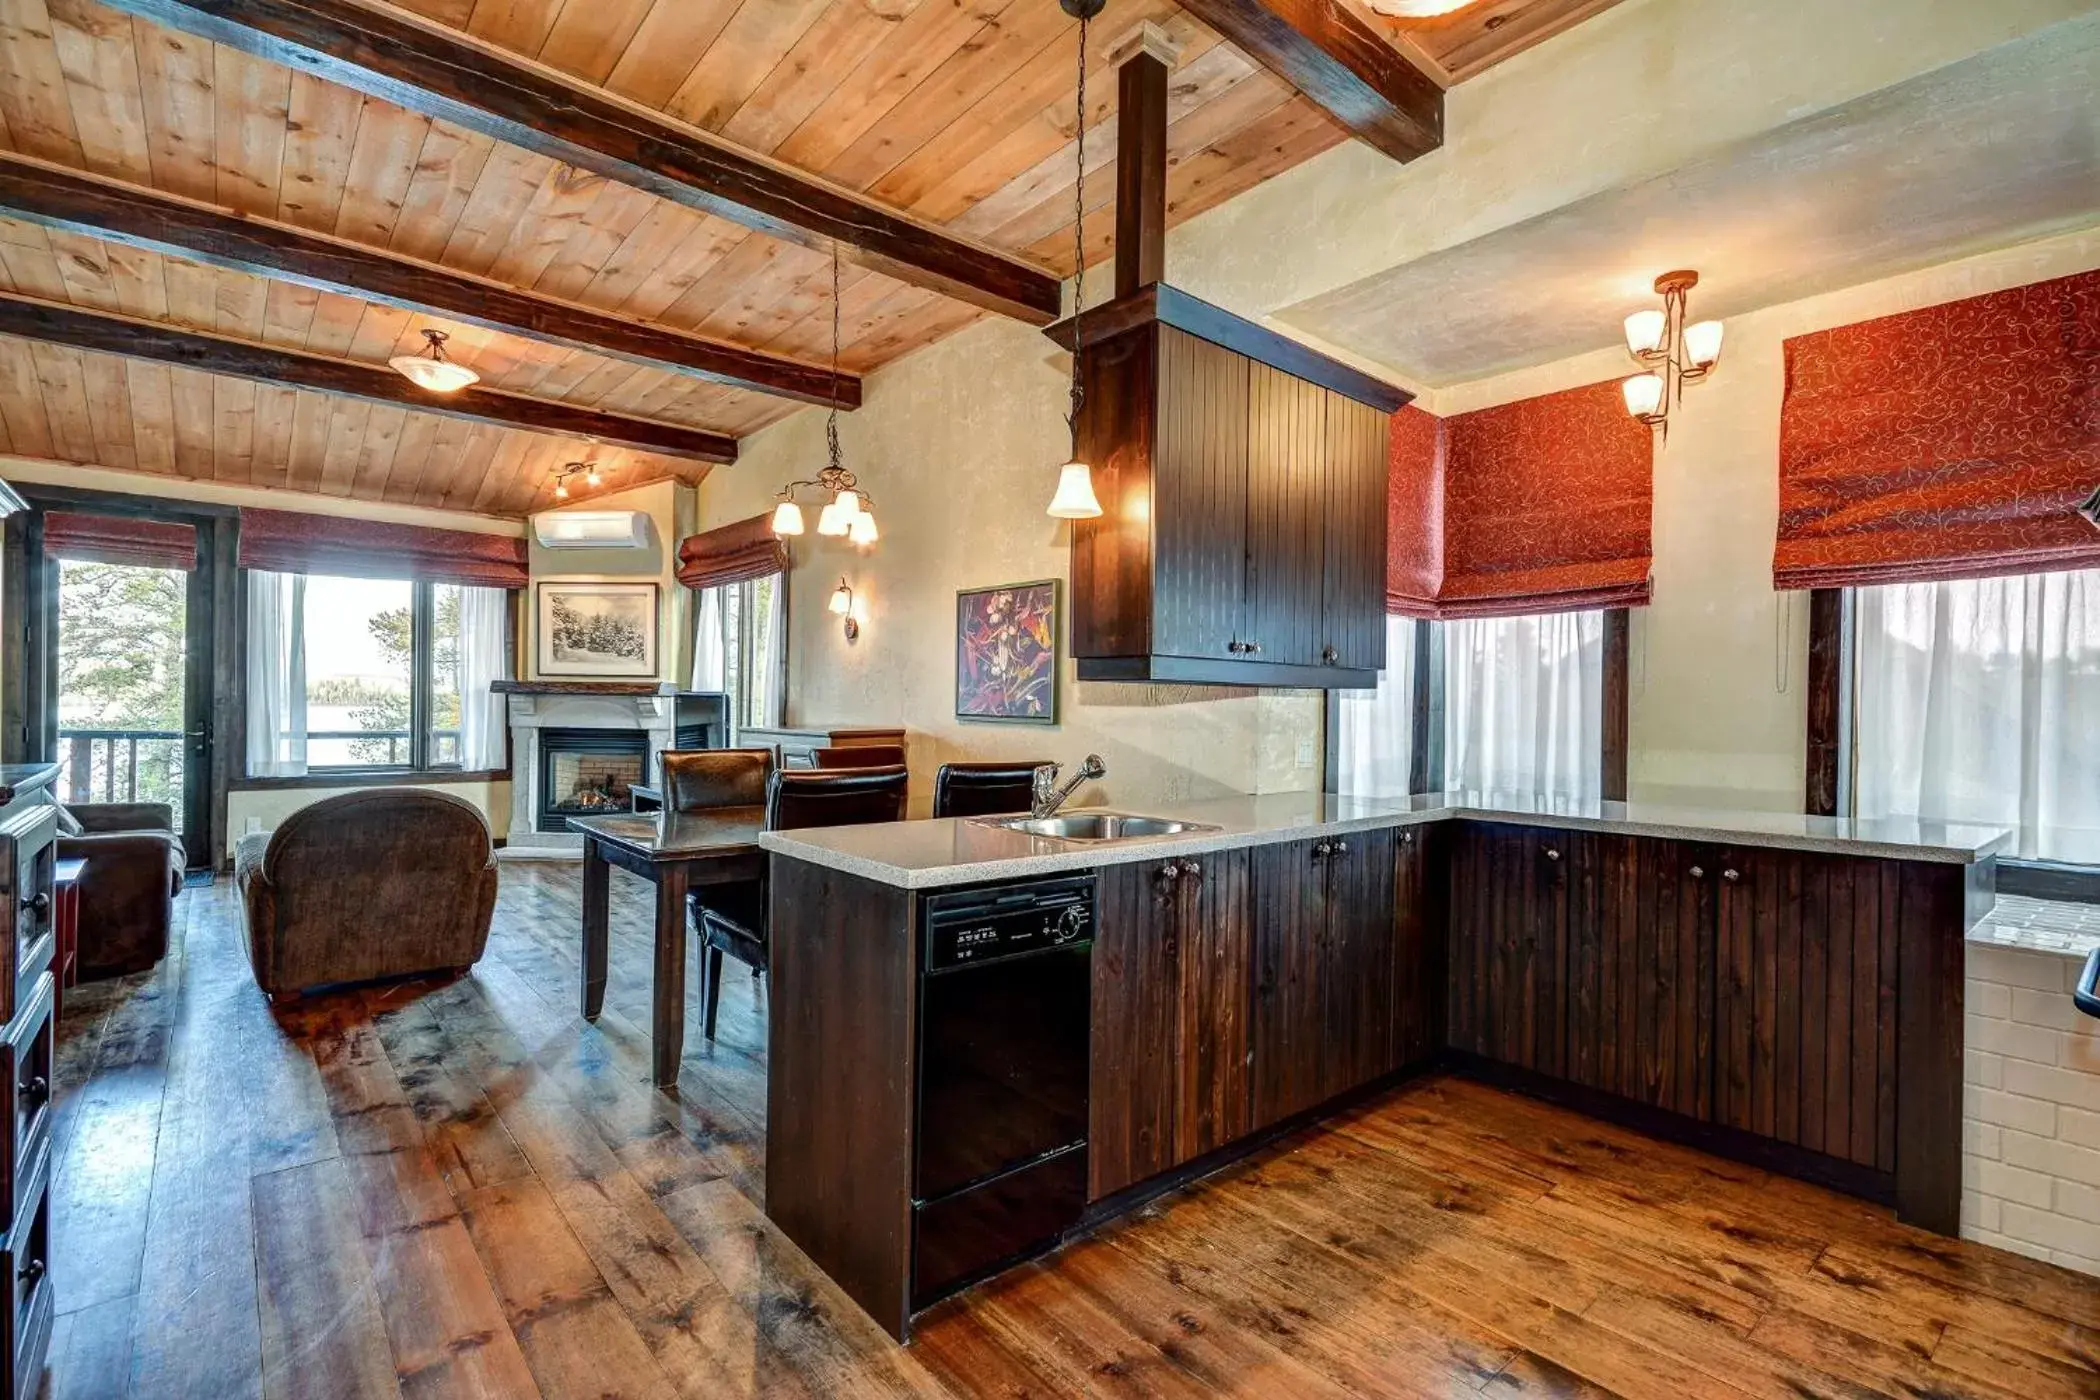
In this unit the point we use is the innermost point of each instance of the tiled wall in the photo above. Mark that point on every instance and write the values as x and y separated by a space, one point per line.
2031 1120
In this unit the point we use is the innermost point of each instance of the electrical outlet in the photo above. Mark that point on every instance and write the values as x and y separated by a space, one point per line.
1308 753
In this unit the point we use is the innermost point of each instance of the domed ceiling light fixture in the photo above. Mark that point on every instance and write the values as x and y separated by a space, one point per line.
1676 354
1418 9
846 514
1075 498
432 370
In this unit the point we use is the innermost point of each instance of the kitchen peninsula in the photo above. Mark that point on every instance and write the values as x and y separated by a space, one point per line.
1782 989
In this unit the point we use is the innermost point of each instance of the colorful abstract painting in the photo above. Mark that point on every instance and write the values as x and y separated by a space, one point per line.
1006 653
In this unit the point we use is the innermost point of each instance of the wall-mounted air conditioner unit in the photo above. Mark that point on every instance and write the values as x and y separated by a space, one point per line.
591 529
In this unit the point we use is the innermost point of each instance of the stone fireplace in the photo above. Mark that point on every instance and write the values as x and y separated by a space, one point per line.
578 746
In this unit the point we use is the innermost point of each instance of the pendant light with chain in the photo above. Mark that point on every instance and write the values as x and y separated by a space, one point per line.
847 512
1075 499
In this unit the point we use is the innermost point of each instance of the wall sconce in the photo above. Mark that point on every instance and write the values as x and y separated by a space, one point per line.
842 604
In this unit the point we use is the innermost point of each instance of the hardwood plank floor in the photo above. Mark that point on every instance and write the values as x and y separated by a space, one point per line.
462 1189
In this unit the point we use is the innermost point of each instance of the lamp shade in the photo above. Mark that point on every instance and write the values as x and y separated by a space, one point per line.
842 599
1075 499
438 376
787 519
1417 9
1644 331
1702 343
862 531
1644 394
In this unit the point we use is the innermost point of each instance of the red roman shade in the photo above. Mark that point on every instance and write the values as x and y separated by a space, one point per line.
1537 506
116 539
732 554
1952 442
293 542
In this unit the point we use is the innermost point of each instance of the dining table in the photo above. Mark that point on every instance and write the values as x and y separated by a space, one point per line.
674 851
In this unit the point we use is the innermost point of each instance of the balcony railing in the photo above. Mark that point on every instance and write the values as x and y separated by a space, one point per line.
104 765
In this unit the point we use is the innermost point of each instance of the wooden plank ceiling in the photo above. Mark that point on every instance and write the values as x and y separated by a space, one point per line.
958 112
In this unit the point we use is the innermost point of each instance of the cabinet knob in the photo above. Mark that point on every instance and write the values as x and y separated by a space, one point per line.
1330 655
1190 868
1552 853
37 903
1697 872
1169 870
1235 646
1731 876
1341 848
34 1087
1322 848
1407 838
32 1271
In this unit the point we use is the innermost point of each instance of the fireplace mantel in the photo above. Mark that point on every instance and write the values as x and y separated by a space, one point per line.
622 688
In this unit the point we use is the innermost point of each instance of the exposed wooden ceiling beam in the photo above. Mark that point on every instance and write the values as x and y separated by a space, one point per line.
443 74
59 198
1332 56
31 318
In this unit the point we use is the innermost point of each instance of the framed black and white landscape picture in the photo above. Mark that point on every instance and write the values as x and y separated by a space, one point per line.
601 630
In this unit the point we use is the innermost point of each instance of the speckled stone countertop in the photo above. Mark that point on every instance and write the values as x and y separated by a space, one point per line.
962 850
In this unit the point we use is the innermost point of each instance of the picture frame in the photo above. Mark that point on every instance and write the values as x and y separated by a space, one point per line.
604 631
1006 652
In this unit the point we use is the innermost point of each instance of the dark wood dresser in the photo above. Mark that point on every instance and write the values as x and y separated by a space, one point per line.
28 941
796 748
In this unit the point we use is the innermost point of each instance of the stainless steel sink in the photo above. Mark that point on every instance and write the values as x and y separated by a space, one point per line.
1097 826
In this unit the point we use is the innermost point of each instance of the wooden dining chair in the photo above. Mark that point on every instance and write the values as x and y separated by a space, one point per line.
984 789
859 756
735 922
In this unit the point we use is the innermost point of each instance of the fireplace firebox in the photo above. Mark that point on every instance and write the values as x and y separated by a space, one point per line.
588 773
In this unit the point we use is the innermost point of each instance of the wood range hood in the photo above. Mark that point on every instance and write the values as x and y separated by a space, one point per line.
1242 476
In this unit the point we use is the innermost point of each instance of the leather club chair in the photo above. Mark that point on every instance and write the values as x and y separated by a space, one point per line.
984 789
735 922
127 892
394 882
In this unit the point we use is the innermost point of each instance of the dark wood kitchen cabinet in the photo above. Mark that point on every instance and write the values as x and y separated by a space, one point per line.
1172 961
1325 960
1242 481
1509 953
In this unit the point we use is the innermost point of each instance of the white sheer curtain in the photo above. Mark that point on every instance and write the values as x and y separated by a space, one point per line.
484 658
765 620
1524 705
276 674
1979 700
710 642
1374 730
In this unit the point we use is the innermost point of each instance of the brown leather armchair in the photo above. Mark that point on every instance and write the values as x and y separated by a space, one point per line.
394 882
694 779
127 892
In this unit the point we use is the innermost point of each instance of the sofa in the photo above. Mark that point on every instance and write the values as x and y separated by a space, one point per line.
365 886
127 891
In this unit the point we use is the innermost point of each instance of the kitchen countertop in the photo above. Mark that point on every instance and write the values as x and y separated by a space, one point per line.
961 850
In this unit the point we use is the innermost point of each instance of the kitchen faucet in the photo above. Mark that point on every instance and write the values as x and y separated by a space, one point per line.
1047 796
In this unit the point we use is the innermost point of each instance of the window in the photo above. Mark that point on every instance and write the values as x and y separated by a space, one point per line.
1524 704
360 674
1521 701
740 648
1979 700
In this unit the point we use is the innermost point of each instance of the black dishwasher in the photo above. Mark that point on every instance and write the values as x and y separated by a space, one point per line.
1005 994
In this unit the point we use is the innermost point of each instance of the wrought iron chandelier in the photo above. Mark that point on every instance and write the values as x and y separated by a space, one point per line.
847 513
1676 353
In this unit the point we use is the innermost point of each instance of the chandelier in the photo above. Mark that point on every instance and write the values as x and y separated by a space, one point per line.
847 511
432 370
1676 354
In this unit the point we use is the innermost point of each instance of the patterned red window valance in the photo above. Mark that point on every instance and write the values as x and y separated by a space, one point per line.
116 539
1952 442
293 542
1537 506
734 553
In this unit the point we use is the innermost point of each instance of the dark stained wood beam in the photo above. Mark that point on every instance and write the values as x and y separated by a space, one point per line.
64 199
59 198
447 75
1340 62
33 319
1141 173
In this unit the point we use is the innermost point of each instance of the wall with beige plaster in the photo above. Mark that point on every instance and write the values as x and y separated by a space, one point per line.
669 507
958 447
264 809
